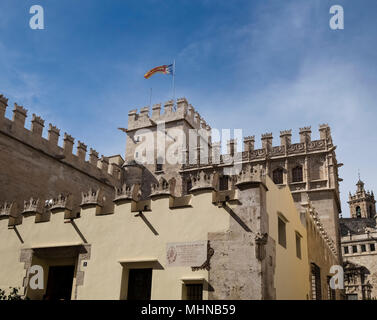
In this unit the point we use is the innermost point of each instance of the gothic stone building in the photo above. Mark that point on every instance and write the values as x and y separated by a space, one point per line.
117 229
359 241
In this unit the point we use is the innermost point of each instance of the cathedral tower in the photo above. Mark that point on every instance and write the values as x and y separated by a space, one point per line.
362 203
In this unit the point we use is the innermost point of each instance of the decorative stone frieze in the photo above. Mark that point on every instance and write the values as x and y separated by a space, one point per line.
128 192
92 197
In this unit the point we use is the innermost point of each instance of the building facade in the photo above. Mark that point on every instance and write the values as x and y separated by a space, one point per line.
136 230
359 241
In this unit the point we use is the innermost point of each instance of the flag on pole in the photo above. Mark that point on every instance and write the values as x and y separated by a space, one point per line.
165 69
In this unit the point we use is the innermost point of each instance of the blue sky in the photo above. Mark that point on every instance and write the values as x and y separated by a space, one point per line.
263 66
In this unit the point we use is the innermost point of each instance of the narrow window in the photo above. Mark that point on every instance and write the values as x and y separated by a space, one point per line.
316 282
298 245
297 174
282 233
358 212
194 291
354 249
372 247
277 176
363 248
345 249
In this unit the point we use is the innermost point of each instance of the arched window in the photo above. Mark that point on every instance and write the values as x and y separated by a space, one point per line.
277 176
297 174
358 212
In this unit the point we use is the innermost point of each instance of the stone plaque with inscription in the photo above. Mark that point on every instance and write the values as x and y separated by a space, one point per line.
186 254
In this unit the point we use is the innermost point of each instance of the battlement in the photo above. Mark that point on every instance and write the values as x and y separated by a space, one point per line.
286 146
183 111
15 129
250 174
45 207
314 220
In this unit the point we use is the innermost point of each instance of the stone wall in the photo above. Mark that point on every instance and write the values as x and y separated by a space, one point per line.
239 274
32 166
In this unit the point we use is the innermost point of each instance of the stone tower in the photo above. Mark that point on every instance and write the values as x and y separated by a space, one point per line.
161 142
362 203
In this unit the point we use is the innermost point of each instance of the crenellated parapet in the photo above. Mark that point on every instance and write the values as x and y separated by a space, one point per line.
15 128
286 138
127 192
62 201
19 115
9 209
268 150
250 174
305 134
248 143
92 197
37 125
163 187
33 206
267 141
181 110
203 180
68 144
320 229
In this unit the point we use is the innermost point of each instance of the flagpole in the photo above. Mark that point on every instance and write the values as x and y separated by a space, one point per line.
174 82
150 98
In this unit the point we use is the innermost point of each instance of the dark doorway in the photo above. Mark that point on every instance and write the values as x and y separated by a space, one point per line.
59 283
139 284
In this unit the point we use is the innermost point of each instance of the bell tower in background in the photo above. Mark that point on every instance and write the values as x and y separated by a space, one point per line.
362 203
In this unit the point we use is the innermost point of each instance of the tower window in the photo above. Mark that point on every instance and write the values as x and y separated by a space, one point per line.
297 174
363 248
345 249
277 176
358 212
372 247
